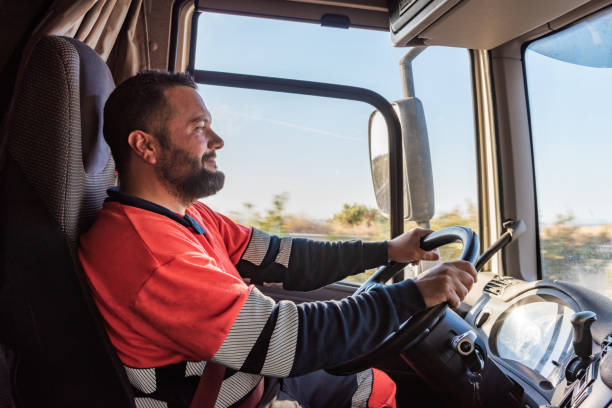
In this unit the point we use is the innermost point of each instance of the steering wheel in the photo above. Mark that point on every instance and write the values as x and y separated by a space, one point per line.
413 330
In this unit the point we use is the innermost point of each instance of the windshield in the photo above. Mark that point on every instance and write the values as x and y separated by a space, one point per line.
299 165
569 89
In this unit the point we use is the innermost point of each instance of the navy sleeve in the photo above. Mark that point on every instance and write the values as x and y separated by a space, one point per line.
302 264
337 331
285 339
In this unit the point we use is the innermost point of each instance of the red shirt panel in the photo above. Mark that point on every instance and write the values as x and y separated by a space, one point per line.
166 293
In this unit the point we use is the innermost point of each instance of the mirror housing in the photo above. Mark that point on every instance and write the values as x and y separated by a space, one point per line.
419 202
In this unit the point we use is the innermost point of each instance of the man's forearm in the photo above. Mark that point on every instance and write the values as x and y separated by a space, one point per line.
284 339
302 264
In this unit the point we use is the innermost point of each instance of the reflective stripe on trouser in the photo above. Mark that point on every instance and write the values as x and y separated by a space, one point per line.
383 391
368 389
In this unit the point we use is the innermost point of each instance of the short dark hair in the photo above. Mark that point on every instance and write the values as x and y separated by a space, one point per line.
139 103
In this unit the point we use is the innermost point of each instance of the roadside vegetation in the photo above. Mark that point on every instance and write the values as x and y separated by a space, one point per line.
569 252
579 254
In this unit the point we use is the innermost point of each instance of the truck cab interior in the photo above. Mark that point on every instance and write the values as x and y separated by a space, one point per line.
486 120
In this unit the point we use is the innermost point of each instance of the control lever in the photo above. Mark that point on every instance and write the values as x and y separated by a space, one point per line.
513 228
583 341
583 344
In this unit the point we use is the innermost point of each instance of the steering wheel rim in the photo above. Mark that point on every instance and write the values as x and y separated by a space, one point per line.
413 330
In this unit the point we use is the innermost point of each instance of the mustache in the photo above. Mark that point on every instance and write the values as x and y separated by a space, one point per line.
209 155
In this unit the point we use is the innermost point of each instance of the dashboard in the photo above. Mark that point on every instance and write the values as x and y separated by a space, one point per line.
537 334
527 330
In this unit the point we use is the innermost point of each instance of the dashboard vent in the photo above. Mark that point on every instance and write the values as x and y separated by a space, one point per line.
498 285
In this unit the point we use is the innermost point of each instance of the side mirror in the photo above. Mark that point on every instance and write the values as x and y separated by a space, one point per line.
418 178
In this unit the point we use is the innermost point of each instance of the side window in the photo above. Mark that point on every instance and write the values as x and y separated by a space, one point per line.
569 81
299 165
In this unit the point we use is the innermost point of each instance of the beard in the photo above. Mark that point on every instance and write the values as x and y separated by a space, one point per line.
186 177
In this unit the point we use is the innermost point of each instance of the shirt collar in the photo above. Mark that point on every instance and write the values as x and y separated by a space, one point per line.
114 195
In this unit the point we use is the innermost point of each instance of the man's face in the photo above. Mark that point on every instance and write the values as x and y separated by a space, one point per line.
188 166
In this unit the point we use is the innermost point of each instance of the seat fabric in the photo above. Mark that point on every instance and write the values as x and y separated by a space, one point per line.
56 173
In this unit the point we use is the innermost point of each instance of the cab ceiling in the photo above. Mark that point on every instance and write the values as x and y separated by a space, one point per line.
486 24
475 24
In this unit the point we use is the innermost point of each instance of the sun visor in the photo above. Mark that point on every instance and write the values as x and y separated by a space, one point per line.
472 24
408 18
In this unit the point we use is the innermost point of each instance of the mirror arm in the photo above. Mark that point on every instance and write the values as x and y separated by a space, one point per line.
406 71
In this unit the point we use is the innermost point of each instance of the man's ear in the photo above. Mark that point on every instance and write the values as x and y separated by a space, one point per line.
145 146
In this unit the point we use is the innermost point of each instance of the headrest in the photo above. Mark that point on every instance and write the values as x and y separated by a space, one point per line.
55 130
95 85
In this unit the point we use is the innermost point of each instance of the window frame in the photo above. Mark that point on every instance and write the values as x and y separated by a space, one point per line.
338 91
524 47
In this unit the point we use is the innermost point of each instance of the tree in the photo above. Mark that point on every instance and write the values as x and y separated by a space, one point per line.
355 214
274 220
357 221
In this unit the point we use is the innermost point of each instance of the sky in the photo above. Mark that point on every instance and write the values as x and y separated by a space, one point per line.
316 149
571 121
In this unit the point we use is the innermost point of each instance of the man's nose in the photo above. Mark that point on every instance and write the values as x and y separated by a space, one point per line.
214 140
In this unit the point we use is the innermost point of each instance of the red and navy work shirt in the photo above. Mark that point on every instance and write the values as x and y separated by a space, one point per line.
167 292
171 291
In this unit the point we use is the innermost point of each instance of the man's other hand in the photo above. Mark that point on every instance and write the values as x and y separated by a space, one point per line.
448 282
406 248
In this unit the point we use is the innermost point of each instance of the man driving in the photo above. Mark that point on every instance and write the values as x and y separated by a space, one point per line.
173 279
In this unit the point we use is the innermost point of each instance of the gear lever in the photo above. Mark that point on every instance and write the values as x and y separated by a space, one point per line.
583 341
583 344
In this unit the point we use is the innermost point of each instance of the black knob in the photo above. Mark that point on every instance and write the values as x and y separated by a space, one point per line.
583 341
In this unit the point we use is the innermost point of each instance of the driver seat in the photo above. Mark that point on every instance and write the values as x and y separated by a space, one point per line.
55 175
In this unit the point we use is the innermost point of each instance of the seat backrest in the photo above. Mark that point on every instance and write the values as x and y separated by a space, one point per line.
55 176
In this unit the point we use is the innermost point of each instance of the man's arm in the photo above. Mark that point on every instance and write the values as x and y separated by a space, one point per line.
285 339
302 264
299 264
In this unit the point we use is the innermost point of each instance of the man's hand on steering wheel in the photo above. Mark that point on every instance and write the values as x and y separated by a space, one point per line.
447 282
406 248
